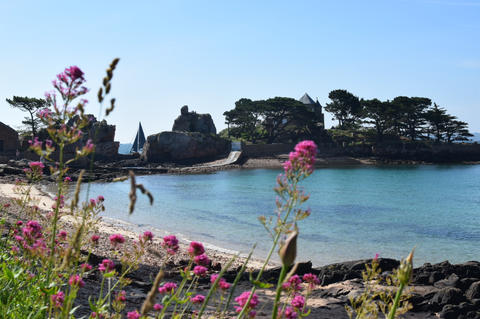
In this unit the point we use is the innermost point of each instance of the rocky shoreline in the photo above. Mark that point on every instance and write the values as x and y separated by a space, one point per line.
440 290
107 171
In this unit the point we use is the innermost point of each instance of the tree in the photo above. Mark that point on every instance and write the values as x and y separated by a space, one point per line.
345 107
283 116
30 105
245 118
272 119
411 111
438 120
456 131
380 115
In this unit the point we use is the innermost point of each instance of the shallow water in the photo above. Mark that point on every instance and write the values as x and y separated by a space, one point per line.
356 212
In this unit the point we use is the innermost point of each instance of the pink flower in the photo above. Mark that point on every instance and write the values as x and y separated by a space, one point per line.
133 315
376 257
200 271
290 313
302 159
62 234
74 73
100 198
89 147
76 280
198 299
311 279
298 302
116 239
242 301
86 267
213 277
168 287
202 260
19 223
106 265
36 165
148 235
44 113
293 284
171 244
157 307
223 284
196 248
121 296
67 179
58 299
94 238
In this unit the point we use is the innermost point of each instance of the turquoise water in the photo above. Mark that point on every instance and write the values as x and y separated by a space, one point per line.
356 212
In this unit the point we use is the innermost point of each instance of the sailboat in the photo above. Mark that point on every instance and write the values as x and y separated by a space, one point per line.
139 140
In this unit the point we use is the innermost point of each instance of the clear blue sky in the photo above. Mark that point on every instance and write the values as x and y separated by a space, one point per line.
208 54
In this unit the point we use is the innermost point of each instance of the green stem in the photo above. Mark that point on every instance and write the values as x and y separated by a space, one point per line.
290 206
283 273
391 314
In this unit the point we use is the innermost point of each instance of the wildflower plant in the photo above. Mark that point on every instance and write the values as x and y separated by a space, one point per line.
47 266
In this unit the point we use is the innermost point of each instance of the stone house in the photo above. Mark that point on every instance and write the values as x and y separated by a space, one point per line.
8 139
315 107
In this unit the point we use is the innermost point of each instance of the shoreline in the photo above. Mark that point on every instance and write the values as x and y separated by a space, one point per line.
339 281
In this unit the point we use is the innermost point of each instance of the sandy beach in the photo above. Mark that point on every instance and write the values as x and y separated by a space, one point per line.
339 281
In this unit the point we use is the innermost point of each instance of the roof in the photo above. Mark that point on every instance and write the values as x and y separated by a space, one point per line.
8 128
306 99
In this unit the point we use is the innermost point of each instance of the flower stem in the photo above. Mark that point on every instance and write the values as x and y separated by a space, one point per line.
391 314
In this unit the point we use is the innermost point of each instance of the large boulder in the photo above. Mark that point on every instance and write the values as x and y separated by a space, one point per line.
183 146
193 122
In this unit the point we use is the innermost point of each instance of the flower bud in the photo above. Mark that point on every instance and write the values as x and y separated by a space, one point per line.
405 269
288 251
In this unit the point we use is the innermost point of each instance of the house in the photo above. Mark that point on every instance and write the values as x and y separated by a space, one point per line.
315 107
8 139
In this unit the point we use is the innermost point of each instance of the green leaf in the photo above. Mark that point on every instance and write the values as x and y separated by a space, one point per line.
259 284
109 274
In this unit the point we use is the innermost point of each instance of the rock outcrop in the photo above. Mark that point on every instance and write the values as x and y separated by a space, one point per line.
193 122
183 146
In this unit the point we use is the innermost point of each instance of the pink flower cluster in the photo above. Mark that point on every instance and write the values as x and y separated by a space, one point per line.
76 280
116 239
170 243
168 287
198 299
302 159
200 271
293 284
222 283
242 301
196 248
106 265
202 260
58 299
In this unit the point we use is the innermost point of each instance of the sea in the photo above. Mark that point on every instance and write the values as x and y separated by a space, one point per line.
356 212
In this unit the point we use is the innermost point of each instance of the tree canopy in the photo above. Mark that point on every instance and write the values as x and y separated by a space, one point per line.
30 105
271 120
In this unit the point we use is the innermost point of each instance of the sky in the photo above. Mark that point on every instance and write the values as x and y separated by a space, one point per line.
209 54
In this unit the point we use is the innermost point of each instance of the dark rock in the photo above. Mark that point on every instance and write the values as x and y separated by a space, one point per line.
183 146
474 291
193 122
448 295
450 312
451 281
435 276
465 283
468 269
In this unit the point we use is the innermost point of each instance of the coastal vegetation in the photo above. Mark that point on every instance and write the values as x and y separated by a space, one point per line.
366 121
47 266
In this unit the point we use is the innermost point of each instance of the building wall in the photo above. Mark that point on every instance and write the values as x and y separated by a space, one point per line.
265 150
8 139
